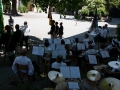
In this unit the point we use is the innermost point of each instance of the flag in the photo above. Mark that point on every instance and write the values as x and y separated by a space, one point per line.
50 16
94 24
1 20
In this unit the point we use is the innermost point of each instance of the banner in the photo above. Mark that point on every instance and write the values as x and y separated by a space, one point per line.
94 24
50 16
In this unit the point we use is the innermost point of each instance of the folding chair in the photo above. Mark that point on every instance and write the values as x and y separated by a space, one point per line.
22 71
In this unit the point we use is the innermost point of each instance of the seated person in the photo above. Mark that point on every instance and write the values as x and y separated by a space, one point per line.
108 45
24 60
69 53
86 38
115 41
58 63
102 48
91 42
48 52
74 48
90 51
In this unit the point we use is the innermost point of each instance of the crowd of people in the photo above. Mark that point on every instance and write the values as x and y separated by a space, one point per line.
56 31
12 38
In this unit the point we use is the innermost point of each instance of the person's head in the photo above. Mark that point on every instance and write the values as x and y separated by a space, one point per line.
62 41
102 46
100 27
106 25
25 23
86 35
24 52
59 59
115 36
56 23
90 46
46 43
17 27
7 27
61 23
53 22
76 40
90 42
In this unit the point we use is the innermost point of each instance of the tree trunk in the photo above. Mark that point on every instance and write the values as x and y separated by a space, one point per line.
14 8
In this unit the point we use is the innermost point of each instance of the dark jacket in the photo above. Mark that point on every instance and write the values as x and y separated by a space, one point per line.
8 41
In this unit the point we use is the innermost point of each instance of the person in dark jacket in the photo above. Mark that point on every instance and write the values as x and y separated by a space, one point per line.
60 33
52 30
18 36
8 41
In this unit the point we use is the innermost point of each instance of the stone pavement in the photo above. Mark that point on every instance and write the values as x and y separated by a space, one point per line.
39 28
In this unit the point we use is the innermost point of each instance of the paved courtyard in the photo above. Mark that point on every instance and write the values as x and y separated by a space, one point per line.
39 24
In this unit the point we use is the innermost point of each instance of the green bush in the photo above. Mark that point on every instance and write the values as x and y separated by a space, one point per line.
23 9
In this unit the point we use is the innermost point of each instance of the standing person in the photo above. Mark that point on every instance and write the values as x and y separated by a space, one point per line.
26 34
60 33
56 30
8 41
74 49
103 35
11 22
52 29
18 36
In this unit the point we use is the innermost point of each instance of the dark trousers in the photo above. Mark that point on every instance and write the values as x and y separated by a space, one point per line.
12 58
26 41
36 69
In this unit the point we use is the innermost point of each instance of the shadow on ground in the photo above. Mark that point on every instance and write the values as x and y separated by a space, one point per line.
9 14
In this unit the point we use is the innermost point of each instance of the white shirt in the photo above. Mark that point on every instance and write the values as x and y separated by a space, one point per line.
103 33
23 60
58 65
27 31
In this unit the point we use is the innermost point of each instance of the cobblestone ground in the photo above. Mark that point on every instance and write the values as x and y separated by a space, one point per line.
39 28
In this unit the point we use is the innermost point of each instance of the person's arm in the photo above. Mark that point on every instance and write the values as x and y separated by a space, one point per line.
14 68
30 68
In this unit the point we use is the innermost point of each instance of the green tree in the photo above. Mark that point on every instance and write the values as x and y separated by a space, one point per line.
89 7
14 8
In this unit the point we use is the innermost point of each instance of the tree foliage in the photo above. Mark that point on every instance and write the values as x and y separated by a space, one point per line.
90 7
86 6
